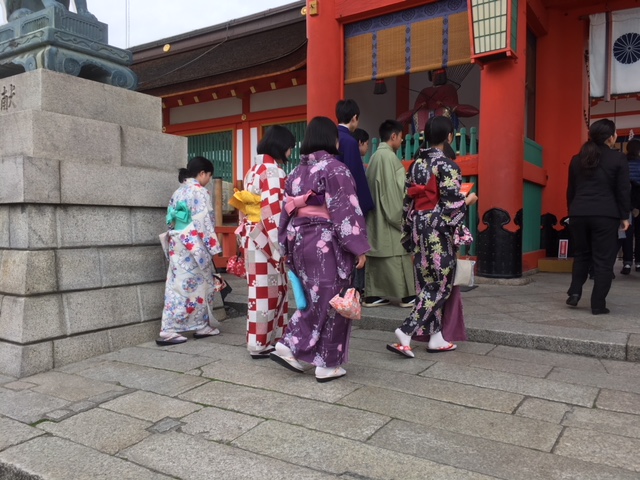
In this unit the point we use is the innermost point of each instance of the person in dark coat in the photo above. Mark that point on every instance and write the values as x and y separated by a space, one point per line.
348 115
629 252
598 198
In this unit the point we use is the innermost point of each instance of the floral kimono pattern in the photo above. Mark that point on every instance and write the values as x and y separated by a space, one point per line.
322 252
189 291
268 303
433 236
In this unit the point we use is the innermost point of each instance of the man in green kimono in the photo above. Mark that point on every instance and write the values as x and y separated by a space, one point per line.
389 272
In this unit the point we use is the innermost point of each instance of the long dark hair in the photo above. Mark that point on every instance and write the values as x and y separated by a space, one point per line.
321 134
194 167
633 149
599 132
275 142
437 130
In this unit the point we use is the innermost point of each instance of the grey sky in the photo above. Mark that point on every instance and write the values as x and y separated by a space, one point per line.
155 19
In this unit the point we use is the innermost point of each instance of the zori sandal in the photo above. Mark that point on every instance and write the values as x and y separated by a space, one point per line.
404 350
262 353
337 372
287 362
449 348
205 332
170 338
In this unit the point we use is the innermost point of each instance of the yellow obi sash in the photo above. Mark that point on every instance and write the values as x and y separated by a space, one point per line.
248 203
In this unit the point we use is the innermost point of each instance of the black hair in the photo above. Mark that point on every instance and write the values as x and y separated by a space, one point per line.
360 135
346 110
599 132
194 167
275 142
388 128
321 134
437 130
633 149
448 151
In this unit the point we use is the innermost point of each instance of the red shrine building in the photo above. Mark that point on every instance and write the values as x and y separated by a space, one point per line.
522 80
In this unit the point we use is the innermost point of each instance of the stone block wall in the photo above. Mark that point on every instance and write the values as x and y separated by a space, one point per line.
85 177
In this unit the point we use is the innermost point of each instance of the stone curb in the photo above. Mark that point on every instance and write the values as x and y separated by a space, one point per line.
614 346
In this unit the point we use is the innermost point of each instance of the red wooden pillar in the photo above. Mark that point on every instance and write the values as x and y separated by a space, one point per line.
500 164
325 60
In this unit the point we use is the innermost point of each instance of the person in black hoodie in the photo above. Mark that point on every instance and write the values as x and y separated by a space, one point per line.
629 252
598 198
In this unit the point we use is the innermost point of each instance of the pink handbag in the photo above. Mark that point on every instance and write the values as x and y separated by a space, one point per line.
347 303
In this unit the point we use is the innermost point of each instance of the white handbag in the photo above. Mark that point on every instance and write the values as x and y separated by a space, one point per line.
464 275
164 242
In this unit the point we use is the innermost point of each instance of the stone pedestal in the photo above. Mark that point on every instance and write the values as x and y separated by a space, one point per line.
85 177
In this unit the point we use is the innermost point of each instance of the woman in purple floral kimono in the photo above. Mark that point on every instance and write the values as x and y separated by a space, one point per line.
190 288
433 229
323 235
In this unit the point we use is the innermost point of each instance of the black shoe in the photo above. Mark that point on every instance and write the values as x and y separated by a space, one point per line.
375 302
407 301
626 269
573 300
600 311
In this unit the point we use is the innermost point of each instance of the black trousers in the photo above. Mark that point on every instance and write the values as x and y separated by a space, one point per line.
595 243
628 250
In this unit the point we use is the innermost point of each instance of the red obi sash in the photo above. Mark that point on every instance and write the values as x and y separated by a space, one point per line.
425 197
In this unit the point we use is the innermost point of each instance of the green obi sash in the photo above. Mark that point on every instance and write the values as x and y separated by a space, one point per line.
179 216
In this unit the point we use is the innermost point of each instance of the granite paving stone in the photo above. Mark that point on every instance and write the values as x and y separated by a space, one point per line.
326 417
619 401
218 425
146 357
281 379
69 387
19 385
27 406
100 429
150 406
339 456
598 447
535 387
13 433
54 458
615 423
143 378
445 391
511 429
187 457
544 410
386 361
165 425
622 368
555 359
599 380
495 459
496 364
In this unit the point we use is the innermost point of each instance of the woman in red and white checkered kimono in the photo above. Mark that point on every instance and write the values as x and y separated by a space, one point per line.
261 204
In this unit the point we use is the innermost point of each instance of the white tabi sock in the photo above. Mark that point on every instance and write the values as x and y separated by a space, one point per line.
403 338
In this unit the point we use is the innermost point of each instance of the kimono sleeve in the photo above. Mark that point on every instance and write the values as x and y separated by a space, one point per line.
344 210
208 225
390 186
453 207
271 193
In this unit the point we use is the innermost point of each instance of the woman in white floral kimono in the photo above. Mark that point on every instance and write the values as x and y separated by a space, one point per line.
190 288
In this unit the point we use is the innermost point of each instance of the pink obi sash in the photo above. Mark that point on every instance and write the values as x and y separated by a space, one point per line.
308 205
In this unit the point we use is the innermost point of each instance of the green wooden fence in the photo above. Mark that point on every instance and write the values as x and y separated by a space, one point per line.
217 147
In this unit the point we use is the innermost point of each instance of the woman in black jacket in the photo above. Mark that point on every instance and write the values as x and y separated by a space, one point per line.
598 197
